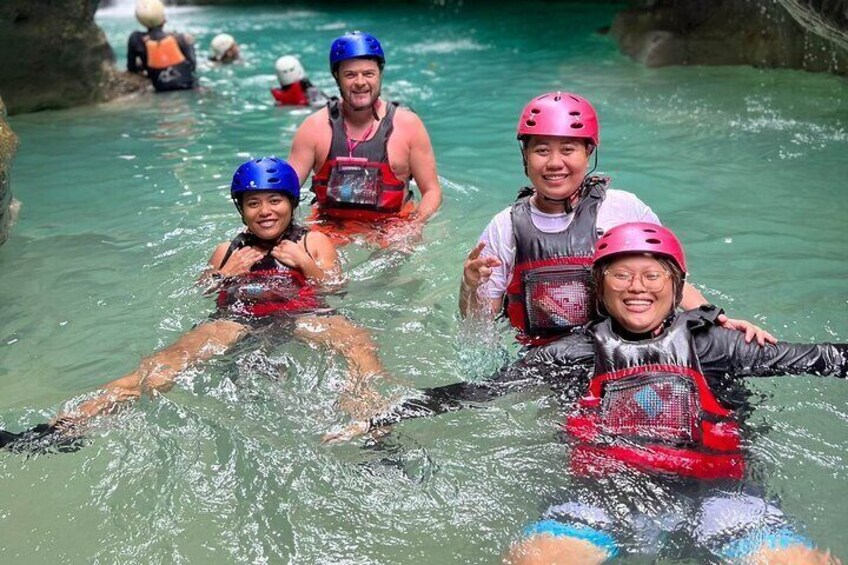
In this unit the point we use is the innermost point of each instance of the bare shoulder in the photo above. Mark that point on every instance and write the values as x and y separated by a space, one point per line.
406 117
316 239
316 120
218 254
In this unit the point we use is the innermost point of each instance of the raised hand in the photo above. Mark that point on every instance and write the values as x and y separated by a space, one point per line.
477 269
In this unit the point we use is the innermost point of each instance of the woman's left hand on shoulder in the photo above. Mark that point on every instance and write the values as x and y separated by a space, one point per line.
291 254
750 330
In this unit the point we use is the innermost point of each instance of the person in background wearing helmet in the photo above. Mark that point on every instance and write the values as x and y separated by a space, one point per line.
224 49
295 88
657 451
364 151
166 58
532 260
269 275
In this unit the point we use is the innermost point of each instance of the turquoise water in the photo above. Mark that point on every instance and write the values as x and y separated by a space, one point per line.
123 203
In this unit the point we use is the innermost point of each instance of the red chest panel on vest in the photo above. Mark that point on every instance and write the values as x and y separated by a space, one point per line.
549 297
353 187
261 293
656 413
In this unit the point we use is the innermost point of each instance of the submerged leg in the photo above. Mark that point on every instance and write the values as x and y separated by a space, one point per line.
157 372
359 399
545 549
797 554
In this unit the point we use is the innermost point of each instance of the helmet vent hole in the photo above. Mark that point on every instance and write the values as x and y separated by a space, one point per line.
653 241
530 123
535 111
574 113
270 171
273 180
577 125
649 230
603 246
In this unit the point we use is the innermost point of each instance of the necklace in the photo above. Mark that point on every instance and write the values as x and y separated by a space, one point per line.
352 144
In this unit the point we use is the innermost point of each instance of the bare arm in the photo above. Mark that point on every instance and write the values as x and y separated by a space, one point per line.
422 166
303 156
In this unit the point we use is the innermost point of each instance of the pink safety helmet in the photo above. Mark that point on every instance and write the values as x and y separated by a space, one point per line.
640 237
562 114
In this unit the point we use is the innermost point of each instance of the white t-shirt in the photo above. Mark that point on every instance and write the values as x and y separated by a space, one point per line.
619 207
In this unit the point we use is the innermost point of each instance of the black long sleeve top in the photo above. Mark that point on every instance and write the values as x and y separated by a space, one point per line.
567 364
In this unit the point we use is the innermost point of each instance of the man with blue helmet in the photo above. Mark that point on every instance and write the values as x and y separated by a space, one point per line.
363 151
270 274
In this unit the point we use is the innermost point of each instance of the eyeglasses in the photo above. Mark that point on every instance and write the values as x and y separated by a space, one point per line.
652 281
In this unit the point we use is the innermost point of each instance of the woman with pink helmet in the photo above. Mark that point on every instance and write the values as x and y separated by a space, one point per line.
656 404
532 260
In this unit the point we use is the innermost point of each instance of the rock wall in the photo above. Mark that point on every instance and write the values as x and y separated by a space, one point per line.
53 55
8 206
761 33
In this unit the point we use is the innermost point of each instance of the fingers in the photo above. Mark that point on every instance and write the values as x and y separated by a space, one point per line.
768 338
750 334
479 270
751 331
475 253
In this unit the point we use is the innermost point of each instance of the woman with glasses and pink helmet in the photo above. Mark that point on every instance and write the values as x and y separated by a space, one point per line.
532 260
657 409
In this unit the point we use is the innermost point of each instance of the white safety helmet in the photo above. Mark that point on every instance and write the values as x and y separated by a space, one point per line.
289 70
150 13
221 43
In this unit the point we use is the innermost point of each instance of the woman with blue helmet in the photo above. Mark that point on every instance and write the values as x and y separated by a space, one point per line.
270 274
363 152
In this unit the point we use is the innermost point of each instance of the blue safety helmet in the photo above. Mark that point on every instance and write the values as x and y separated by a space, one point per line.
356 45
267 174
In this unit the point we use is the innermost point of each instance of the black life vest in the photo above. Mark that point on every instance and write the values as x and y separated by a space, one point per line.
650 407
548 290
359 185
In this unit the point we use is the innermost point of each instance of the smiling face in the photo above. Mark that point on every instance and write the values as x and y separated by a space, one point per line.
266 214
359 82
556 167
638 292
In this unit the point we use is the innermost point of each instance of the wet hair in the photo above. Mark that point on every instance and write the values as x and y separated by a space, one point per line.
677 278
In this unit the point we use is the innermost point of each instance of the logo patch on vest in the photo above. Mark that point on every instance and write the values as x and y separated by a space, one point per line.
649 401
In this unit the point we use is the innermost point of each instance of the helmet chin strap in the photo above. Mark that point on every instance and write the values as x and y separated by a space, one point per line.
567 202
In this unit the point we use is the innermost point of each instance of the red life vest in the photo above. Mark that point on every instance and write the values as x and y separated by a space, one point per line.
650 407
359 184
548 290
269 288
291 95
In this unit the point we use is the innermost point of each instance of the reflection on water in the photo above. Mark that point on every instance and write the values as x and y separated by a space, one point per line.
123 203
